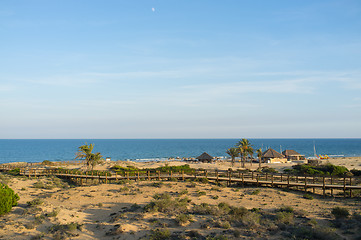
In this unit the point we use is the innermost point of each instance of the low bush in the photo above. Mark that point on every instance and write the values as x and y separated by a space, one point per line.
340 212
308 196
8 199
35 202
285 217
47 162
182 218
327 169
160 234
165 204
202 180
255 192
14 172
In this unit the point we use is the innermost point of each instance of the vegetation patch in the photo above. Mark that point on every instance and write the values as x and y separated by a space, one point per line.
8 199
327 169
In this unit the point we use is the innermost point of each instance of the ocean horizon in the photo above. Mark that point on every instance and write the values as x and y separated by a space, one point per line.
38 150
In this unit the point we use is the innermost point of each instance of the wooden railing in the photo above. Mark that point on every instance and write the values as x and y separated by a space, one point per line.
344 185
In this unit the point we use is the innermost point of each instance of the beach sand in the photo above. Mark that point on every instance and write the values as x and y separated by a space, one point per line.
114 211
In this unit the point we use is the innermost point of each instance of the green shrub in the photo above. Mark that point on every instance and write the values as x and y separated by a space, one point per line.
15 172
47 162
286 209
267 169
54 213
8 199
201 193
285 217
255 192
327 169
183 218
165 204
160 234
35 202
202 180
340 212
307 196
157 184
356 172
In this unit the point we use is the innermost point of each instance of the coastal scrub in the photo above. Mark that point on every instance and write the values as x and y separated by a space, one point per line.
8 199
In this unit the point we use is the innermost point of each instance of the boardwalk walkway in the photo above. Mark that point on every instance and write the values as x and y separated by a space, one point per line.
336 185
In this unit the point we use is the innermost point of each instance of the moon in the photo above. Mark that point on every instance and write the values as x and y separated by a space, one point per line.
153 9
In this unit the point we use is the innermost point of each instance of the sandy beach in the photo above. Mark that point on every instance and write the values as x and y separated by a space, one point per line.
50 208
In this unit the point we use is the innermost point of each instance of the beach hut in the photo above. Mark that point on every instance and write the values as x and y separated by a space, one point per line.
205 157
272 156
292 155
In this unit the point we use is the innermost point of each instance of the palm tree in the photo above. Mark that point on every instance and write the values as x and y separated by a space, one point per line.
259 155
250 152
233 152
245 149
95 158
85 152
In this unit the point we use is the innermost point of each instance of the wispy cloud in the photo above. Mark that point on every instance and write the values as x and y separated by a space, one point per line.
6 88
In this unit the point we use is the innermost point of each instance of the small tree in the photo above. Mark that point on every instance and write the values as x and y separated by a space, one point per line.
91 159
8 199
245 149
233 152
259 155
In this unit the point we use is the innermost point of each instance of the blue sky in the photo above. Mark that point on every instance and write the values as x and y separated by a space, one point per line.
180 69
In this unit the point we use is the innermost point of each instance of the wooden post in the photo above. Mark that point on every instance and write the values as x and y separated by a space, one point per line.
171 175
116 176
344 186
266 177
281 177
230 177
350 188
323 186
288 181
217 175
313 181
183 175
206 173
252 175
158 175
242 179
106 178
128 176
297 181
257 179
81 181
98 177
305 183
148 173
138 175
331 186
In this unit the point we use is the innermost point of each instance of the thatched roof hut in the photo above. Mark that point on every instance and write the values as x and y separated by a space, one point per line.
205 157
272 155
293 155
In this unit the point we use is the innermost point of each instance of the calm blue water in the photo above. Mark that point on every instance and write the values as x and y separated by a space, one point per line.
142 149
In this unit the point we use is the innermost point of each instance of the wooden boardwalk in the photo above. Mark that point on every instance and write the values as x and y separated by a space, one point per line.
336 185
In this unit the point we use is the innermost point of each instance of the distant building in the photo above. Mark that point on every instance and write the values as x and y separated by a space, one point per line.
205 157
107 159
292 155
272 156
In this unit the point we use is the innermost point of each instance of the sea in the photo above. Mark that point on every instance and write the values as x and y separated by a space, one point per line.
38 150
